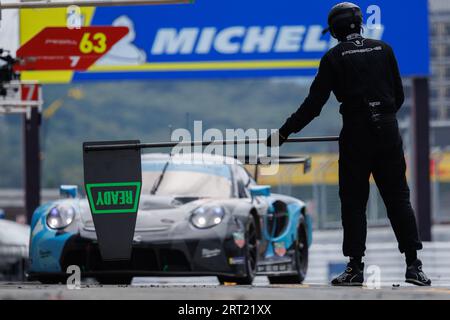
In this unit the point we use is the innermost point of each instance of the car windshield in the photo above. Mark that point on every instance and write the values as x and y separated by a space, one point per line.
187 180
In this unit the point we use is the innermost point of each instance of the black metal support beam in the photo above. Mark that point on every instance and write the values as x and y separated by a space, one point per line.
421 156
172 144
32 163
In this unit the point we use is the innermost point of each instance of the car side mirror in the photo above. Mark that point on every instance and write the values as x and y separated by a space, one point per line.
260 191
68 191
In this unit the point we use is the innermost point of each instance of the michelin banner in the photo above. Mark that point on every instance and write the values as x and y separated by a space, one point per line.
233 38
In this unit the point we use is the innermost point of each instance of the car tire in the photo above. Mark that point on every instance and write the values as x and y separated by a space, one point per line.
251 256
114 280
301 259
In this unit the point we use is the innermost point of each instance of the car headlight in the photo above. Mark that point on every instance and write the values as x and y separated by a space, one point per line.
207 217
60 216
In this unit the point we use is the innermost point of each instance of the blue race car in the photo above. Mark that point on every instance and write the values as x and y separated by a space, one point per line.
194 218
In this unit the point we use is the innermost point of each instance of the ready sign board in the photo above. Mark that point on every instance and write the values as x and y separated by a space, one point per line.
112 181
234 38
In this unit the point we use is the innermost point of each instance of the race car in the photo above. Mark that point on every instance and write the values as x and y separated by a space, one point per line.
194 218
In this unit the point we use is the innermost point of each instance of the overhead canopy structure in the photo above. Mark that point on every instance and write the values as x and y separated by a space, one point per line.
84 3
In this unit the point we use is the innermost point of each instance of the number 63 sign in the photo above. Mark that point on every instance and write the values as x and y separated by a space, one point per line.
60 48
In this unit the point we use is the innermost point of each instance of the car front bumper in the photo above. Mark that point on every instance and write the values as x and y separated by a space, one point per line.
192 257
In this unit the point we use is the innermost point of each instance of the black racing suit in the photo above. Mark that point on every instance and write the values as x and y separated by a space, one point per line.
364 76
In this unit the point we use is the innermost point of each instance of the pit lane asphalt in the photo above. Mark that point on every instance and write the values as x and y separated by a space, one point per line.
207 289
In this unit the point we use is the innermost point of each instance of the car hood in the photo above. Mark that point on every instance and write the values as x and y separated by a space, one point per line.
156 213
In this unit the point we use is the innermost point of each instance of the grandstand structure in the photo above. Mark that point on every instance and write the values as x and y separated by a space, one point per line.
439 19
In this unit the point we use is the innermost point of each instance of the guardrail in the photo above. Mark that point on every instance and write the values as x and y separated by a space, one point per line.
16 197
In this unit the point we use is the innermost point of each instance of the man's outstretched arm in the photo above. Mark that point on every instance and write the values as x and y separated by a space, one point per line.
312 106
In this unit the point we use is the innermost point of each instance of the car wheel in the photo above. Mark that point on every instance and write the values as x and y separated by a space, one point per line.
115 280
301 260
251 256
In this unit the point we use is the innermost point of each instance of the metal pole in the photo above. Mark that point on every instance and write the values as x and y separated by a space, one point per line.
32 162
85 3
172 144
421 156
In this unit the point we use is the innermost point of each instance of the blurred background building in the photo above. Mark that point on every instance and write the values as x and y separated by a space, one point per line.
440 58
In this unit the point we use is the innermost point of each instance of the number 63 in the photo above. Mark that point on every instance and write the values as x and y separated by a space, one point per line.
87 45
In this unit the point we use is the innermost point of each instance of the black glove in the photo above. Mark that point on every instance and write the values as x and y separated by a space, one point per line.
271 140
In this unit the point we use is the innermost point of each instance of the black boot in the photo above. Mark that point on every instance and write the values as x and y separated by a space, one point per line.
415 275
352 276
